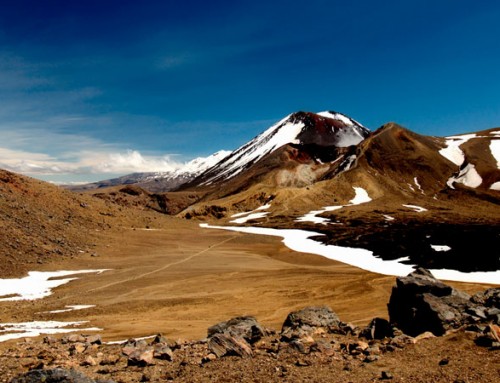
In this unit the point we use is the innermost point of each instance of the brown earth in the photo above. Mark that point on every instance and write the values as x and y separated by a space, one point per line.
180 279
168 275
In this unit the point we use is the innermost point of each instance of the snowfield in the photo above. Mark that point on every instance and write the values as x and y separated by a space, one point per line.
9 331
300 241
452 151
249 215
361 196
495 150
467 176
38 284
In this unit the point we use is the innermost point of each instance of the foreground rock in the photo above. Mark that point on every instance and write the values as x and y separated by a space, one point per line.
419 303
305 322
58 375
314 344
235 336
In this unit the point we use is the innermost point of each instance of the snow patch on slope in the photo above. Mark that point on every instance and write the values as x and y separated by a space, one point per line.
11 331
467 176
38 284
361 196
249 215
452 152
353 136
495 186
300 241
495 150
418 209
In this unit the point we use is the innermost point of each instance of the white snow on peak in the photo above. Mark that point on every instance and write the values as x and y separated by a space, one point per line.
200 164
452 151
361 196
467 176
418 209
337 116
441 247
495 150
282 133
38 284
389 218
301 241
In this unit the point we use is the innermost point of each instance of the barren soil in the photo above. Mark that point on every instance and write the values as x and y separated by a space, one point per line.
180 279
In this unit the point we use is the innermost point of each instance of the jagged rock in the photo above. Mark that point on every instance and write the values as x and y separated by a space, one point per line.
488 298
245 327
110 359
490 337
227 344
141 357
378 328
58 375
419 302
73 338
93 339
308 320
89 361
49 340
163 351
159 338
77 348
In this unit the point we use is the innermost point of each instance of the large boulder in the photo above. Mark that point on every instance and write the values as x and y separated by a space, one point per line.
308 321
235 336
419 303
57 375
245 327
227 345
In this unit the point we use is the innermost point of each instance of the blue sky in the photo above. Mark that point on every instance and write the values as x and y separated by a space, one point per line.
93 89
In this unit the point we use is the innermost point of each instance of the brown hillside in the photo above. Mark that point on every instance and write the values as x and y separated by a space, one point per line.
41 223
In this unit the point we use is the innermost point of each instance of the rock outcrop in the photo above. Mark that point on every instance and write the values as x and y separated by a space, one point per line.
57 375
235 336
419 303
309 320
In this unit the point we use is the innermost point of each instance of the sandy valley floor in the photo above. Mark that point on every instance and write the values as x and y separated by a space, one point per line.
181 279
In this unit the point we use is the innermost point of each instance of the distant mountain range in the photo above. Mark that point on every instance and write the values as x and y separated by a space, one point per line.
420 194
160 181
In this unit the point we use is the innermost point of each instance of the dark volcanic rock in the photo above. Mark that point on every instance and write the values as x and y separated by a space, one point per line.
235 336
245 327
58 375
226 345
305 322
419 303
378 328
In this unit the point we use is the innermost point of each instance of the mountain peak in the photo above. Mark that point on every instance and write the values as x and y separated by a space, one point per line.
300 128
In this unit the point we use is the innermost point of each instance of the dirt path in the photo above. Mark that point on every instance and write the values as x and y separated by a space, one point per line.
164 267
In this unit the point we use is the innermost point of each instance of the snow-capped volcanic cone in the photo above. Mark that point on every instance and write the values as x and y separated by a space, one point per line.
325 129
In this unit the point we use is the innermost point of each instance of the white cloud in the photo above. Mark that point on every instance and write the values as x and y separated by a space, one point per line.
85 162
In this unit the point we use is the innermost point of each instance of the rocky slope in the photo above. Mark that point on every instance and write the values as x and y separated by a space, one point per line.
40 223
457 340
